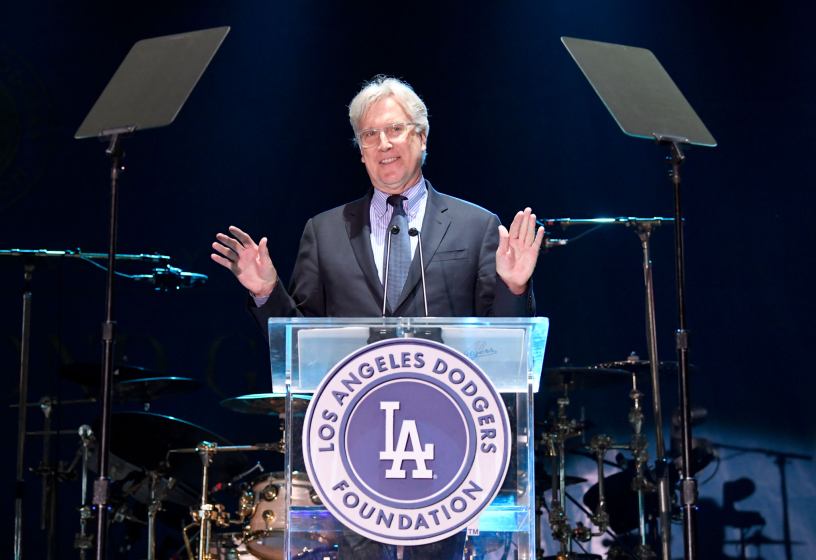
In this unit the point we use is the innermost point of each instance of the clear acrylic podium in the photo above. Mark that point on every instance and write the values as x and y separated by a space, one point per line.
509 350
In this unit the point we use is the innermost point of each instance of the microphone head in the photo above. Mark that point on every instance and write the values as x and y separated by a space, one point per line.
394 230
413 232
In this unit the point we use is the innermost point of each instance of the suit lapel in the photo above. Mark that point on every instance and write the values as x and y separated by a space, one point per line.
358 228
434 226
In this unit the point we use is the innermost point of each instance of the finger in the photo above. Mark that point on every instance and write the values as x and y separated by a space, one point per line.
225 252
516 225
230 242
530 230
245 239
226 263
524 226
504 240
263 252
539 238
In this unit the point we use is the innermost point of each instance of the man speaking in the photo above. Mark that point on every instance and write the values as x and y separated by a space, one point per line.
345 267
473 265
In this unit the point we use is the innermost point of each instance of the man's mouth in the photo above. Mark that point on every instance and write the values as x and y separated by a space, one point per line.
389 160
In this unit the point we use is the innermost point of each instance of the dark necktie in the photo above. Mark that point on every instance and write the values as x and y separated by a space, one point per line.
400 256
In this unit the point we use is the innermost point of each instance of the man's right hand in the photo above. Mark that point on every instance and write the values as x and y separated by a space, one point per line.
250 263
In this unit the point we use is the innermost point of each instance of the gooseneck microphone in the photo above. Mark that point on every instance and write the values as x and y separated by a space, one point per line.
414 232
393 230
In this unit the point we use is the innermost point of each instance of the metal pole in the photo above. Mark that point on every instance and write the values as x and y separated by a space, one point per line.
664 501
688 484
205 450
82 540
25 346
151 518
102 484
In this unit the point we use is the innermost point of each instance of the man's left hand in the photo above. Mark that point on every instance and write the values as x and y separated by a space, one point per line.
518 251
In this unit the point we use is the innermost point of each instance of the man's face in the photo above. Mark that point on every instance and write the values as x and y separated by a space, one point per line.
393 165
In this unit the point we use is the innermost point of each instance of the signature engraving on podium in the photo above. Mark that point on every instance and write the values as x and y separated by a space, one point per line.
479 350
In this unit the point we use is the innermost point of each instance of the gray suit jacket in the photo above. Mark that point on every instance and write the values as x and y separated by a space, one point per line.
335 274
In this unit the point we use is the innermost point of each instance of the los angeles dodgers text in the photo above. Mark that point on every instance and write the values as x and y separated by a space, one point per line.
456 376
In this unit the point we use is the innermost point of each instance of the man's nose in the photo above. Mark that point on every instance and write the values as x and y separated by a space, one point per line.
385 143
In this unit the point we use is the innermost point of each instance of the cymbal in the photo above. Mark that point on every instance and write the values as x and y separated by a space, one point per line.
266 403
90 375
144 438
642 367
154 387
575 378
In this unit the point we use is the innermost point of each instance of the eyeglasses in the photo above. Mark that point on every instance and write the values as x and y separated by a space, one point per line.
370 137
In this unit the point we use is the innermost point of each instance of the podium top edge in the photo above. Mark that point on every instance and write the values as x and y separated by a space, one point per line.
409 321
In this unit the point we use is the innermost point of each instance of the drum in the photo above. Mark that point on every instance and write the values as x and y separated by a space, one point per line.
264 505
228 546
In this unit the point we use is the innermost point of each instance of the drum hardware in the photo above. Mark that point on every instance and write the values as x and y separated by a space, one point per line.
576 378
640 484
633 364
29 257
264 509
188 544
83 540
230 486
51 472
154 507
143 439
652 367
209 513
561 430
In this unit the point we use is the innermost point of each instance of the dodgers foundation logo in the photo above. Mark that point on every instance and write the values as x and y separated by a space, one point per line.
406 441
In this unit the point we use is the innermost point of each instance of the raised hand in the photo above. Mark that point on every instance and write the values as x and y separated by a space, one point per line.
250 263
518 251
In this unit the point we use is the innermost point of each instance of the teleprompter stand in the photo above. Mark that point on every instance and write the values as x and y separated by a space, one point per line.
147 91
646 103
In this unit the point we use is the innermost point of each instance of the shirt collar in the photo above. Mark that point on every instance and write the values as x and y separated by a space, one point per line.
414 195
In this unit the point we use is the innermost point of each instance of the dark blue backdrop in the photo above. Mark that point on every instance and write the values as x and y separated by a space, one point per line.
264 143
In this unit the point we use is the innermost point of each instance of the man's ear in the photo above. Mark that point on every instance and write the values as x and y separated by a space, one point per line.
362 156
422 141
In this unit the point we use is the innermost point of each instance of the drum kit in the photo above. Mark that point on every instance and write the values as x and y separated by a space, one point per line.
618 503
172 471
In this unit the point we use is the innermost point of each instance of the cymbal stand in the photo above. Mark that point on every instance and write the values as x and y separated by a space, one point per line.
52 473
25 348
205 450
599 445
84 541
644 231
638 445
154 507
562 430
